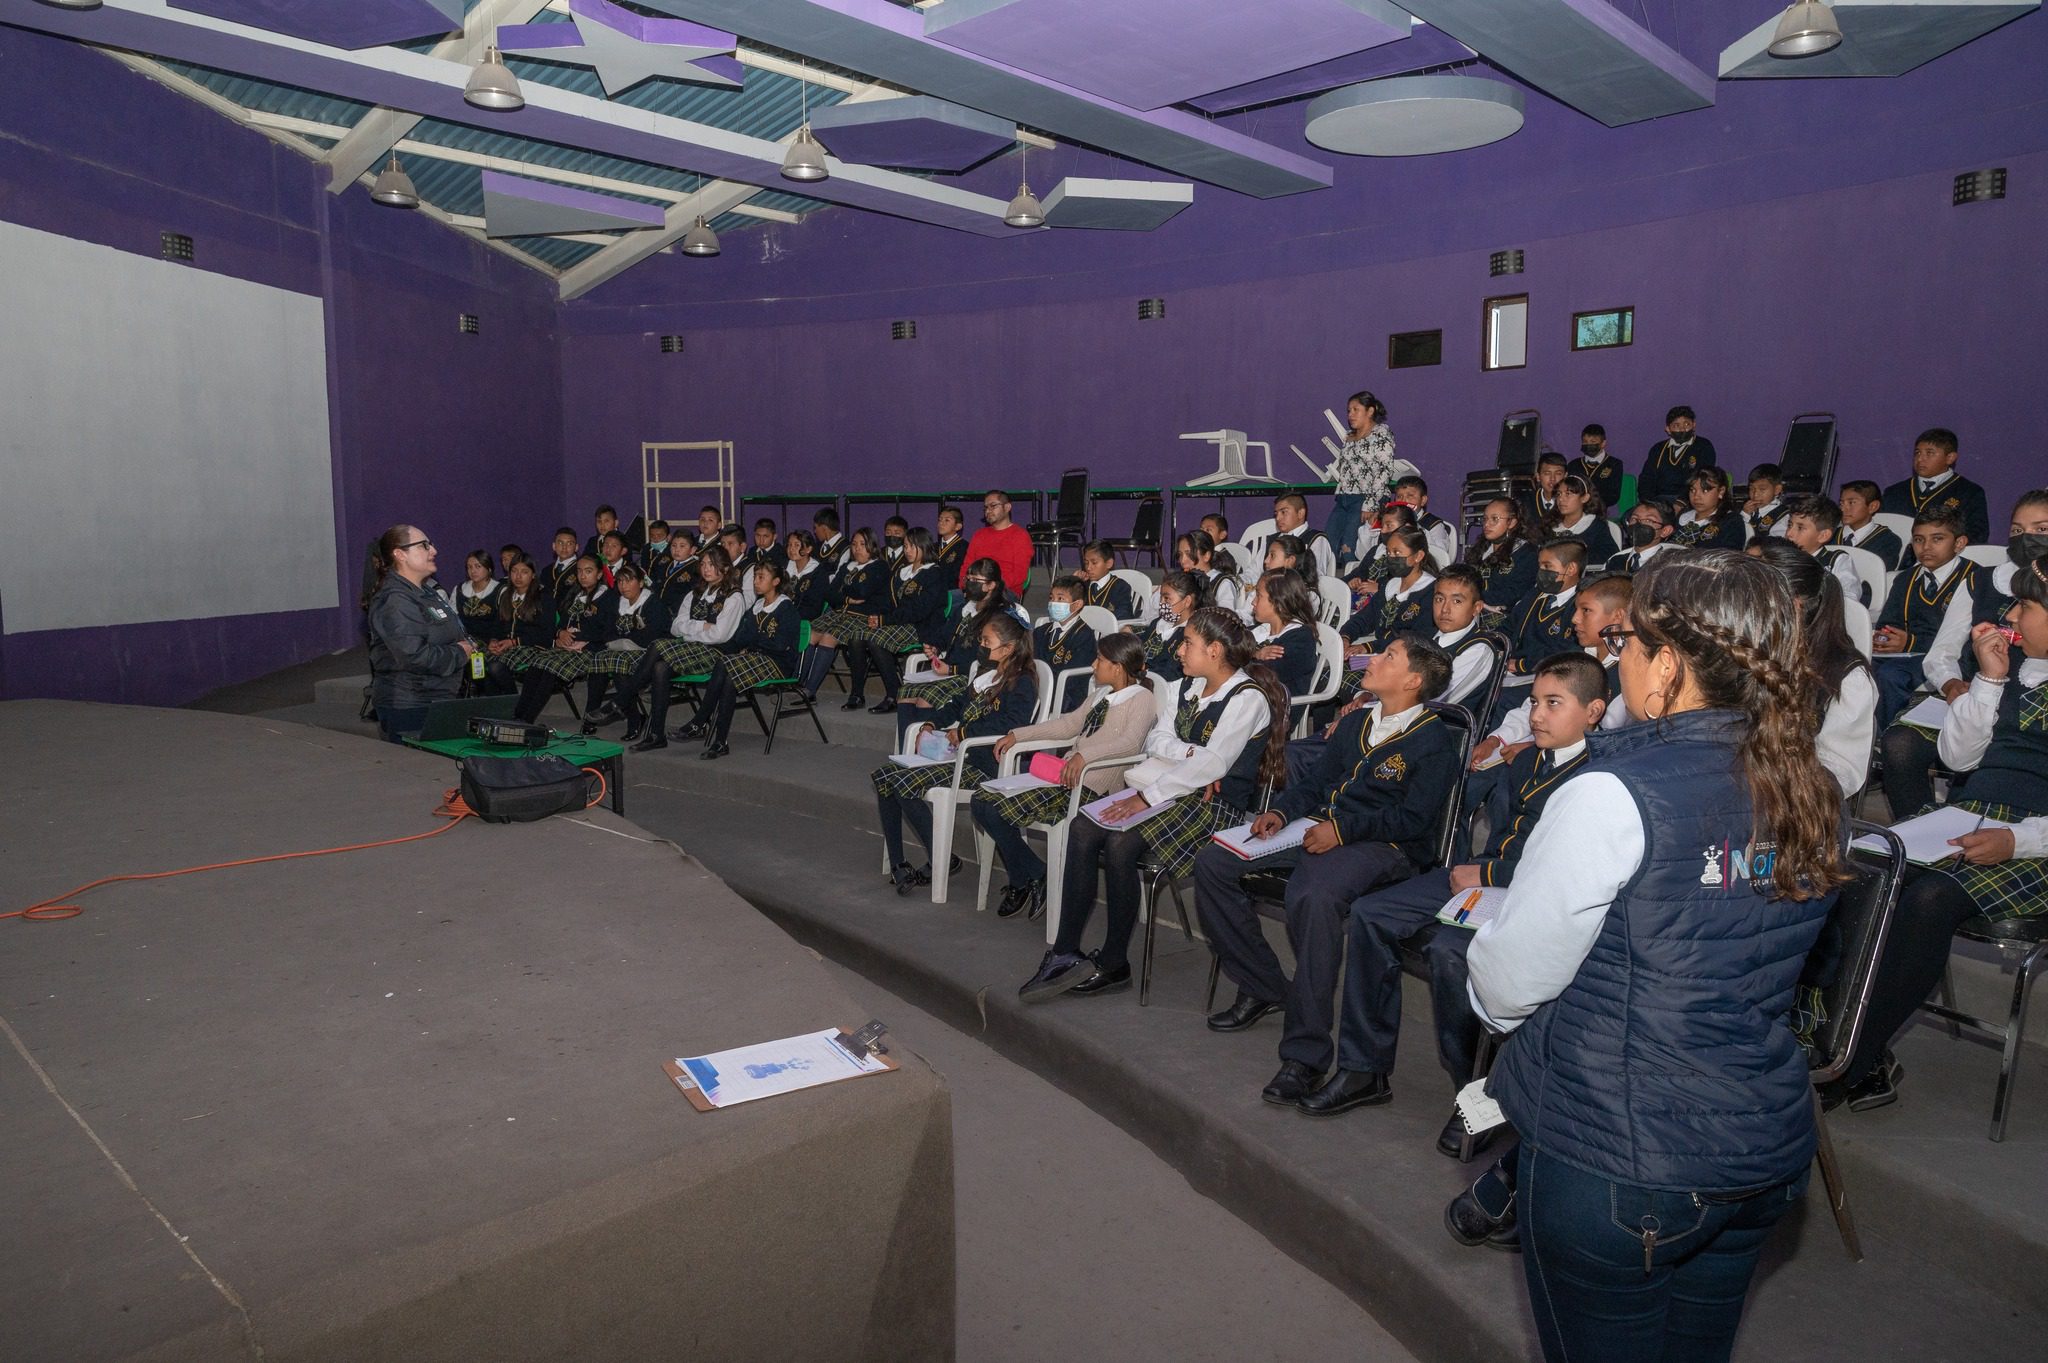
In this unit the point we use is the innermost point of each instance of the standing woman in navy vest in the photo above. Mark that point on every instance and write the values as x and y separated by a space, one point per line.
1647 957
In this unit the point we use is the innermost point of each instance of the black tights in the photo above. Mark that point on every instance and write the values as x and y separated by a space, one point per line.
1118 851
817 665
1915 953
1909 758
886 667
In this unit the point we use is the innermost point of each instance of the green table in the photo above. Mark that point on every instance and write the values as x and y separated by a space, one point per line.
1115 494
785 500
584 752
1223 491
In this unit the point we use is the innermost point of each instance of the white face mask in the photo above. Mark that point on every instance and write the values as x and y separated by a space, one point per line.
1058 611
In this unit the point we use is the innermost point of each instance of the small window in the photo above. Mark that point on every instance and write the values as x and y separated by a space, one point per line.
1603 330
1507 333
1415 349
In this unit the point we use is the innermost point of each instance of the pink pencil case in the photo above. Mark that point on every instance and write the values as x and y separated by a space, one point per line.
1046 766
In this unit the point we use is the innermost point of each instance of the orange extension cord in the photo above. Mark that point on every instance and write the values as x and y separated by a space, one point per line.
55 909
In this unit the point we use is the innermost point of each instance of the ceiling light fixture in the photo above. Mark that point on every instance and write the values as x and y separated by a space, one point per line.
74 4
805 159
394 188
700 240
1025 210
492 85
1806 29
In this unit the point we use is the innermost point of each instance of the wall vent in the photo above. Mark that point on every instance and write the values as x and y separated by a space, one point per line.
671 345
903 331
469 324
1151 309
1504 262
1979 186
178 246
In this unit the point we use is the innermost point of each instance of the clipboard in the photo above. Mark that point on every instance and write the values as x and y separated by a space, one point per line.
864 1046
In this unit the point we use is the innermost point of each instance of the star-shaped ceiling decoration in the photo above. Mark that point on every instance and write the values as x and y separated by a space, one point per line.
625 48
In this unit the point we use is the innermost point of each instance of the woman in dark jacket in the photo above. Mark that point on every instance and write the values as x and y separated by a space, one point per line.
1647 958
419 651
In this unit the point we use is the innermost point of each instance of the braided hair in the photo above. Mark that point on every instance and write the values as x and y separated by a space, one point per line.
1739 637
1218 625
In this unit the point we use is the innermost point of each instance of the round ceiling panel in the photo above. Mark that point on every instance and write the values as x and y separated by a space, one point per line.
1414 115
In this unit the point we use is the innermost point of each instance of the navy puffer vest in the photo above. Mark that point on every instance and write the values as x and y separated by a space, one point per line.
1667 1062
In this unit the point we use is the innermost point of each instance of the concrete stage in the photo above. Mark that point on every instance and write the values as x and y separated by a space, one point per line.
408 1103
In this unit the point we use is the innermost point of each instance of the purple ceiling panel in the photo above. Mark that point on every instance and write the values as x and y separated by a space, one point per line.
1423 48
1150 53
354 24
917 132
518 207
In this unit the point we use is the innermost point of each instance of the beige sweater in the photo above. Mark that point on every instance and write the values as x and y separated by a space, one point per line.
1122 733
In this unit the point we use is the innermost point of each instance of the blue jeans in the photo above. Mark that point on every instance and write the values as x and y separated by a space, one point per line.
1596 1301
1347 512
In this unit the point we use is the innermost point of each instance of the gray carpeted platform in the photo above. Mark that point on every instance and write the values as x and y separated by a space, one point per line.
407 1103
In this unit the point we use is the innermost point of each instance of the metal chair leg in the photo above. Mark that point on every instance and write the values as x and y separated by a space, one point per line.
1147 905
2015 1036
774 721
1948 998
1831 1179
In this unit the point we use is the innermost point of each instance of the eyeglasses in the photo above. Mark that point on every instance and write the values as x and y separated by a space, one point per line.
1615 637
418 544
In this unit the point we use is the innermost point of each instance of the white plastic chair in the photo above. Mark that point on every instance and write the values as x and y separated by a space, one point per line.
1987 555
1333 601
1898 523
1243 566
1856 619
1254 538
947 801
1142 588
1055 833
1329 672
1872 572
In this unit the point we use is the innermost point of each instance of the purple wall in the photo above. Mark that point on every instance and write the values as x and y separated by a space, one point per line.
1791 249
458 432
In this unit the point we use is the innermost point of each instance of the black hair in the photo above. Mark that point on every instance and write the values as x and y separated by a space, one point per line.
1466 576
687 535
1870 491
1193 586
894 520
1201 544
1941 437
1768 472
1677 412
1413 541
1547 457
628 570
1578 673
1416 481
986 570
1289 545
1428 660
562 530
717 511
1293 499
1947 517
606 509
2031 583
922 538
1371 404
774 570
947 508
1709 475
1219 518
1818 509
804 538
1829 650
656 524
1101 549
1017 666
1595 428
1125 652
1571 550
827 517
1071 585
767 522
1289 595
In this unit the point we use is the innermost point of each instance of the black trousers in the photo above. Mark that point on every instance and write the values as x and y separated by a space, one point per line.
1931 908
1909 758
1319 896
1369 1022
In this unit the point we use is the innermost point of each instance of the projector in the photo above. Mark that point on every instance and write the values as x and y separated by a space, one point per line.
510 732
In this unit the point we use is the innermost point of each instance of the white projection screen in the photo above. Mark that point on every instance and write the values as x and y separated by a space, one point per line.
163 441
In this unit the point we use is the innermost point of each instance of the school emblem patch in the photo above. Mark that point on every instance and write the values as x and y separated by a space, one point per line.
1395 768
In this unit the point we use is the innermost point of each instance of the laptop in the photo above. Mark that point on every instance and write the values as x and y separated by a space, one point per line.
450 718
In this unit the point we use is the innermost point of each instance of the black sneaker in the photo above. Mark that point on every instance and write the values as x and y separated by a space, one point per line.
1019 897
1058 971
1879 1088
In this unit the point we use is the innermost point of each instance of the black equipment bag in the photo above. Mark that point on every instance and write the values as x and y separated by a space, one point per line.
523 789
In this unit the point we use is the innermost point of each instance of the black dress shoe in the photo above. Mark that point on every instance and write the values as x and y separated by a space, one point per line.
1345 1090
589 728
1105 981
1450 1140
1484 1214
922 876
1012 901
691 732
1242 1014
652 741
1057 973
903 877
712 752
855 703
606 713
1034 901
885 706
634 728
1291 1085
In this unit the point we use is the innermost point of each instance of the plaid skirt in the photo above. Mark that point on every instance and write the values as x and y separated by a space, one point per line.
520 657
1172 839
687 657
1038 805
749 668
1350 684
611 662
844 626
939 691
560 663
910 783
896 639
2010 889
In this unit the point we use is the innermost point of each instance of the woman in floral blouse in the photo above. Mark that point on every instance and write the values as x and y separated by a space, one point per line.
1364 470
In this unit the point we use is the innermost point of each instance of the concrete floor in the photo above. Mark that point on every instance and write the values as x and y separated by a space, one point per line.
1076 1241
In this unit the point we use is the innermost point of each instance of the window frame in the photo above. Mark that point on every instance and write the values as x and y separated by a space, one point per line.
1394 336
1627 309
1486 311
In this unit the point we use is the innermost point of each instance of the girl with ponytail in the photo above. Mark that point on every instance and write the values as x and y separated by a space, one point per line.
1647 958
1220 736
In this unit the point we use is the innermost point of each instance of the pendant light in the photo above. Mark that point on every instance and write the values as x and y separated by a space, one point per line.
1025 210
1806 29
805 159
492 85
74 4
700 240
394 188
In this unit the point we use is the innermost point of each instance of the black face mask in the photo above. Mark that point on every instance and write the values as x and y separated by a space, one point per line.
1591 451
893 541
984 657
1549 583
1641 536
2028 548
974 591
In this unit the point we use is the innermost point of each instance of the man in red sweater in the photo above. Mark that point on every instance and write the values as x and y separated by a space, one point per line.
1001 539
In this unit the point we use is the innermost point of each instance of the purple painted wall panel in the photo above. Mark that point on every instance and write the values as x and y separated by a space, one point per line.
459 432
1791 249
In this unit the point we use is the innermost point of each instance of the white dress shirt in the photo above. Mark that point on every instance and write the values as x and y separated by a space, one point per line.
714 631
1846 731
1588 844
1227 592
1468 669
1174 767
1514 725
1944 661
1966 734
